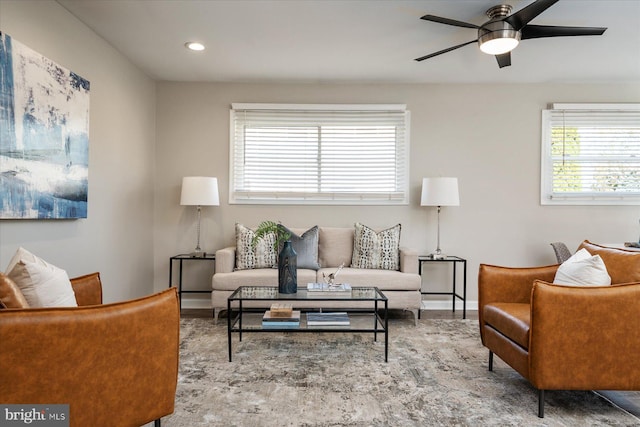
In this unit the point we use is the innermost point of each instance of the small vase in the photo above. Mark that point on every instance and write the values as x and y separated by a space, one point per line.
287 270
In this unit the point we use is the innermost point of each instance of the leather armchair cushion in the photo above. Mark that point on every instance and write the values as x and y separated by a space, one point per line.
10 294
512 320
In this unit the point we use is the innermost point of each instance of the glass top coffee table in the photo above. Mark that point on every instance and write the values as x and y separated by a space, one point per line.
370 316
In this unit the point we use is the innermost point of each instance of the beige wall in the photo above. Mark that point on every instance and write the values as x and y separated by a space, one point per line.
486 135
116 238
145 137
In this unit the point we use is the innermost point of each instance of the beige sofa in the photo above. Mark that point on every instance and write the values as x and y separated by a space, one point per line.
335 246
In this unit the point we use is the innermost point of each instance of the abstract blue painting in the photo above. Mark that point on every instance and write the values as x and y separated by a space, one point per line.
44 136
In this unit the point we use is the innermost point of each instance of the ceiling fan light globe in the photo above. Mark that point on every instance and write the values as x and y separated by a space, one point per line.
498 37
498 46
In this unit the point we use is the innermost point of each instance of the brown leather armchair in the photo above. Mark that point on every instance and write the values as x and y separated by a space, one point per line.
114 364
562 337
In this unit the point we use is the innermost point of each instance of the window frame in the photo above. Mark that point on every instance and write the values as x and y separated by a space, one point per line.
547 196
393 198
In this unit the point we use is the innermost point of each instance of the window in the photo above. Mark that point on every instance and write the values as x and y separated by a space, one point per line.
319 154
591 154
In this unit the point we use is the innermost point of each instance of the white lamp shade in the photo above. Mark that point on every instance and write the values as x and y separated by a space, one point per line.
199 191
440 192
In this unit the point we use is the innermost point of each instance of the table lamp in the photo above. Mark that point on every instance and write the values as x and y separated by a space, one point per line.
439 192
199 191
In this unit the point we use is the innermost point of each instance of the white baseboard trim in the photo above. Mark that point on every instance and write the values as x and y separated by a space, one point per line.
447 305
196 303
199 303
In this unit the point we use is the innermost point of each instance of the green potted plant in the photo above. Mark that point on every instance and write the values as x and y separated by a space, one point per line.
266 227
287 258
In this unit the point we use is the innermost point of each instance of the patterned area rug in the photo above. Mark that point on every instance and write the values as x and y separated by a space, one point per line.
436 376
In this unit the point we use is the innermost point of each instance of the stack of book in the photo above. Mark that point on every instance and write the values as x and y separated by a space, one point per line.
328 319
281 316
321 290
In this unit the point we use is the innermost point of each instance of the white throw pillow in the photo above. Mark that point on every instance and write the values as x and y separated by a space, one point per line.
583 269
21 254
42 284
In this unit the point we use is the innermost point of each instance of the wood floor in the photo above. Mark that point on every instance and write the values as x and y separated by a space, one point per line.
627 400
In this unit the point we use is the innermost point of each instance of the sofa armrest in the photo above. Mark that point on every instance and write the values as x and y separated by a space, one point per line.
408 261
114 364
88 289
226 259
585 338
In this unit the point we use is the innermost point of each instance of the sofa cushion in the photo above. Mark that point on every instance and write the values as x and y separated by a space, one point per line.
42 284
622 265
335 246
512 320
376 249
306 246
257 277
582 269
263 255
385 280
10 294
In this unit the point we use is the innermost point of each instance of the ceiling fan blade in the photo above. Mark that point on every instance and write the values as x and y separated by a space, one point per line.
522 17
540 31
448 21
504 60
440 52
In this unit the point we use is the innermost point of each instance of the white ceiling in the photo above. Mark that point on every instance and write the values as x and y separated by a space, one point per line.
363 41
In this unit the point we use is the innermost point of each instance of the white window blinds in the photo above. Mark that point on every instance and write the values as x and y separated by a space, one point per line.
591 154
319 154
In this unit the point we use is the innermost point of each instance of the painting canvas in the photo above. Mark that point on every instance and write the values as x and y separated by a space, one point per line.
44 136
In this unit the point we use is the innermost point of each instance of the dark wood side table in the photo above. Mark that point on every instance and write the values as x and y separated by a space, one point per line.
180 259
454 261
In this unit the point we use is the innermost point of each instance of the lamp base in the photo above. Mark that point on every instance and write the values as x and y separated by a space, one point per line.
198 253
437 254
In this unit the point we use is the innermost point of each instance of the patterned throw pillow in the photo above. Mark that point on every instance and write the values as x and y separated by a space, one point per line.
373 249
263 255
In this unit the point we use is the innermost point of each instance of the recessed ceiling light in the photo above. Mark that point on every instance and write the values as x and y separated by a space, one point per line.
194 46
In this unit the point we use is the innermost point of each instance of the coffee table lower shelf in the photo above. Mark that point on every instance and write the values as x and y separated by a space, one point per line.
249 320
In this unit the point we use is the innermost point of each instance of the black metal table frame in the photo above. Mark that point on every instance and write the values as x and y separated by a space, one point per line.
181 258
232 320
455 260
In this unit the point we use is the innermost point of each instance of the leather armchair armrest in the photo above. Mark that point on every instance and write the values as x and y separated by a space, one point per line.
585 338
508 284
88 289
408 261
226 259
10 294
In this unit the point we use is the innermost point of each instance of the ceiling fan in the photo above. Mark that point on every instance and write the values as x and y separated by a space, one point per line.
502 32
